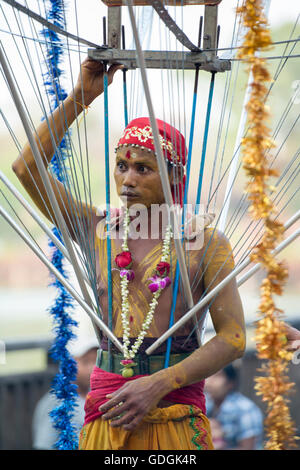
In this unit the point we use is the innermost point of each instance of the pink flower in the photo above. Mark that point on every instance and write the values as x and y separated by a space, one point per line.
154 285
158 283
126 362
165 282
127 272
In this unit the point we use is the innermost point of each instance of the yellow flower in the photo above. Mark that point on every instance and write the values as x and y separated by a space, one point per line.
269 336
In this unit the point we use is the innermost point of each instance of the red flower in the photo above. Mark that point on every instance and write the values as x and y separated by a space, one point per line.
123 259
163 268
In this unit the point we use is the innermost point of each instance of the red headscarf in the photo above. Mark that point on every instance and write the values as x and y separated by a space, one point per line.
139 133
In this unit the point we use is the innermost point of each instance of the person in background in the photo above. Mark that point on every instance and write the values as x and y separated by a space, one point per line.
238 421
217 434
44 436
293 338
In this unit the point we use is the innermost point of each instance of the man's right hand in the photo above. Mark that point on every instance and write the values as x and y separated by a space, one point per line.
293 338
90 80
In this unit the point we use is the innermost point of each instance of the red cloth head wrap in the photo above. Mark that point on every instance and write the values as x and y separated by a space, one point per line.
139 133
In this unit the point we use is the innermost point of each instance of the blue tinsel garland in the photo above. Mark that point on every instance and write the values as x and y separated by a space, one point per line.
63 386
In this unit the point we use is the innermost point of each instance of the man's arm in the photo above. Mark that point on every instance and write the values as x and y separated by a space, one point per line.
89 85
140 396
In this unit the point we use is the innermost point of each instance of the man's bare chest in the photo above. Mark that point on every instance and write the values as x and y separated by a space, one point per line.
146 254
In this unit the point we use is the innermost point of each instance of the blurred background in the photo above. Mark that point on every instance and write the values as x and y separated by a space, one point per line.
26 329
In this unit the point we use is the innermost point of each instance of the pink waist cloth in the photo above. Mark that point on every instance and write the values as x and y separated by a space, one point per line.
103 383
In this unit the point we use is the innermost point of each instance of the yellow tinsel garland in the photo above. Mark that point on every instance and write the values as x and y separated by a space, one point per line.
270 331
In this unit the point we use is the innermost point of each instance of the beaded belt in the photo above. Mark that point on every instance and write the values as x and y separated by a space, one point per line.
145 364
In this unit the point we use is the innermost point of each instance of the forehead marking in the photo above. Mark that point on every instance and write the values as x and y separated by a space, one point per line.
129 154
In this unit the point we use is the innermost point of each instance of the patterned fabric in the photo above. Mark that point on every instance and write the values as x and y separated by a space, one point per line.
138 132
177 427
104 383
239 418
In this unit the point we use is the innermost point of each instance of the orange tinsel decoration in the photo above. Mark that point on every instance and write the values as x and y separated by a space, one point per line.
270 331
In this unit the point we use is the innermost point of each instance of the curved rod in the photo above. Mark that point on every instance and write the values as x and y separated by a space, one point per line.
95 319
219 287
172 25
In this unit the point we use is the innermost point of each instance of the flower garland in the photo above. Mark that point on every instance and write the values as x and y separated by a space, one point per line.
270 332
159 281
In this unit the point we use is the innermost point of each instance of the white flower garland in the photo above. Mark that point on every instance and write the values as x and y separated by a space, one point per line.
130 354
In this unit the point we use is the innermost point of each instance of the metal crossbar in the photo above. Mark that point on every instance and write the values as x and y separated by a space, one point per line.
160 59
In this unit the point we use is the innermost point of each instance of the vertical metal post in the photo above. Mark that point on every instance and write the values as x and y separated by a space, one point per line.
114 27
210 33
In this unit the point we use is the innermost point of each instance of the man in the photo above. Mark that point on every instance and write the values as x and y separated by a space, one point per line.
157 407
44 435
241 421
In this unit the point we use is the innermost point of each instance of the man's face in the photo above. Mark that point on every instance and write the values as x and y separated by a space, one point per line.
218 385
137 177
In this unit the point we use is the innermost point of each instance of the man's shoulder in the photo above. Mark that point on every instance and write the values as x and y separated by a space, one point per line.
214 235
217 252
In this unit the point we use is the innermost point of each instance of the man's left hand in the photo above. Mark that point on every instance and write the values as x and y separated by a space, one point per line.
128 405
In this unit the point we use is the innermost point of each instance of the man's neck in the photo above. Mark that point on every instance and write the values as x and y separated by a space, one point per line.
150 223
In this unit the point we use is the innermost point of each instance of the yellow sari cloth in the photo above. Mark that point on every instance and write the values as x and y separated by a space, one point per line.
177 427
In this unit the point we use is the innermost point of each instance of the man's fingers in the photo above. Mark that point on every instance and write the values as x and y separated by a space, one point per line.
116 398
133 424
112 70
124 420
114 67
92 64
116 411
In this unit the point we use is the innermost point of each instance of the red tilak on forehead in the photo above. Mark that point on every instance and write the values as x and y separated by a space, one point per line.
128 154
